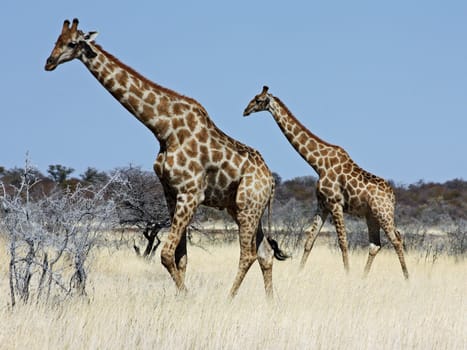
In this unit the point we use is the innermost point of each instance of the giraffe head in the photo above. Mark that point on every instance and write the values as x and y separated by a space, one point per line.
259 103
72 43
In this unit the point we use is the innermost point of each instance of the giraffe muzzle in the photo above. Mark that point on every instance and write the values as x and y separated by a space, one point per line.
51 63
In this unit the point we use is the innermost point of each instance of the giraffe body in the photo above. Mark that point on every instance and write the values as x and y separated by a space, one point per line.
343 187
197 163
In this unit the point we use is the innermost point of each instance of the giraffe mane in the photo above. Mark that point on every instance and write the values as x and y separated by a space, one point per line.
241 147
308 132
238 145
149 82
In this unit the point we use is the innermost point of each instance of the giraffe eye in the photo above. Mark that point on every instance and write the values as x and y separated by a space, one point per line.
72 45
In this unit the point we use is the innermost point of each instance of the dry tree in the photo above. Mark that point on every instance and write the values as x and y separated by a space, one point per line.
51 236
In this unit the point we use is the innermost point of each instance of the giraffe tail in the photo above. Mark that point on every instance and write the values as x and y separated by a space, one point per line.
278 253
271 198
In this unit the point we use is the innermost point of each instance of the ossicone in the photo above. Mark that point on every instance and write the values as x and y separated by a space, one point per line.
66 25
265 89
74 26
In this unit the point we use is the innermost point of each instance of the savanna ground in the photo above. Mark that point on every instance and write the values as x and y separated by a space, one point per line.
131 303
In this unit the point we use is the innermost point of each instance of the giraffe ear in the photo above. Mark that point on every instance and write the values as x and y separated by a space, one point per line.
91 36
88 51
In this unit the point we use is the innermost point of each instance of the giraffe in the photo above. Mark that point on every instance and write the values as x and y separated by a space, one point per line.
197 163
342 186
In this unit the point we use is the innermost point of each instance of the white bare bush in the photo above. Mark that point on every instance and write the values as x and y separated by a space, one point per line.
291 221
51 236
141 204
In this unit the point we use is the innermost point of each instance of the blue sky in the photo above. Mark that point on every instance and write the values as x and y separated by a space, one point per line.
386 81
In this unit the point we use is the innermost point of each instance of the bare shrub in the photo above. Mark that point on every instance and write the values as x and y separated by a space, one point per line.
141 204
457 238
291 221
51 237
430 241
357 233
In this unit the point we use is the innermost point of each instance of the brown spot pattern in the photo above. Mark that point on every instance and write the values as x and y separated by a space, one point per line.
342 184
190 163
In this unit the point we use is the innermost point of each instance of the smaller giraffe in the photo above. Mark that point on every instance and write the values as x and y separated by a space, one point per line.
343 187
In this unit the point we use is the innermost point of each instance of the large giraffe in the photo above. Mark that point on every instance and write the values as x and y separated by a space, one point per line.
197 163
342 186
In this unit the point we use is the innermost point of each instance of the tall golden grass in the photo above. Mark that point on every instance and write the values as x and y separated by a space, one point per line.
132 304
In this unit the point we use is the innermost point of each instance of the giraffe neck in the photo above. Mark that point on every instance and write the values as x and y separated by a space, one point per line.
307 144
153 105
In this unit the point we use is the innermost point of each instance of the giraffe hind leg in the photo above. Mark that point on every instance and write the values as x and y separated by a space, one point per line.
253 246
247 258
372 251
265 254
267 249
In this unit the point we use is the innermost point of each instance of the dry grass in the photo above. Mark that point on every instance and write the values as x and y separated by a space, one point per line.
133 305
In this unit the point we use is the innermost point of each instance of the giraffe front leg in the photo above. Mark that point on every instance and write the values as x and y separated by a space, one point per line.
181 257
375 243
396 240
318 221
400 253
173 254
338 217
